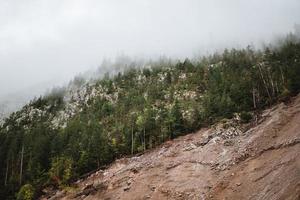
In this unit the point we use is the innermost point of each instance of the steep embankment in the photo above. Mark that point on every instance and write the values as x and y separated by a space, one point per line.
229 161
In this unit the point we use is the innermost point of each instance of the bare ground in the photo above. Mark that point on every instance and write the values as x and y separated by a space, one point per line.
228 161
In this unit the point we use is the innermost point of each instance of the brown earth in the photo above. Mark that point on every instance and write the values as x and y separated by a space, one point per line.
260 160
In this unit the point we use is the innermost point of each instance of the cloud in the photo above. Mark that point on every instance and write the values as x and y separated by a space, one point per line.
44 40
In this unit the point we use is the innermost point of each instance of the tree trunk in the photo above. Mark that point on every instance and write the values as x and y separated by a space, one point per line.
150 142
21 166
6 173
13 166
276 86
163 135
131 139
144 139
253 96
282 77
272 83
170 136
264 82
258 97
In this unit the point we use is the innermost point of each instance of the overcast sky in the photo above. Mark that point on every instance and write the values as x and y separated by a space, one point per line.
47 41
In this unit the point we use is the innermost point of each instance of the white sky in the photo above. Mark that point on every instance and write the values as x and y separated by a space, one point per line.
48 41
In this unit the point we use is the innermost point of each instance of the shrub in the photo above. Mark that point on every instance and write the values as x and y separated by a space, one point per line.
26 192
245 117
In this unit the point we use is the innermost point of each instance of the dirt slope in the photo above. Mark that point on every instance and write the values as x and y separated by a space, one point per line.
228 161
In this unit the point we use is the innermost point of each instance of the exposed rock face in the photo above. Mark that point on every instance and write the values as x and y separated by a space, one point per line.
225 162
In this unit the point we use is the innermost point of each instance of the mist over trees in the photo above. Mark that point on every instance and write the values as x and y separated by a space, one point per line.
138 108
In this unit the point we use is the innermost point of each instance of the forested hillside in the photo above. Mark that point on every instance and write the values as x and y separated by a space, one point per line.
58 137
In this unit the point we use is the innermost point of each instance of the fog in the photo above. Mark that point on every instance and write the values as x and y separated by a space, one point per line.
47 42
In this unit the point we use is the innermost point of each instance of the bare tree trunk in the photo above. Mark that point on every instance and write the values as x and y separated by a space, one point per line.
150 142
131 139
163 135
264 81
273 88
12 166
6 173
282 77
21 166
272 83
258 97
253 97
277 89
144 139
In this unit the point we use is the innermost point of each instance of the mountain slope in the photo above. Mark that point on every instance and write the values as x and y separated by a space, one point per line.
259 160
71 131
